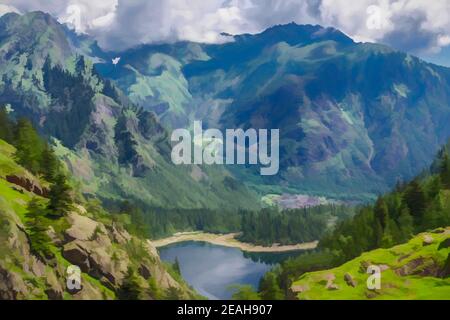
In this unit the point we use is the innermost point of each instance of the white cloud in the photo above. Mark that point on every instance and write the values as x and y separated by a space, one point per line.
414 25
6 9
86 15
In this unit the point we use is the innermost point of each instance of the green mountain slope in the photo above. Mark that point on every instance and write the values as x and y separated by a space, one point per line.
117 150
380 234
87 237
419 269
354 118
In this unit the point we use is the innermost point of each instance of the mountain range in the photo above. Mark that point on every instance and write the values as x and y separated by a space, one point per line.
354 118
116 149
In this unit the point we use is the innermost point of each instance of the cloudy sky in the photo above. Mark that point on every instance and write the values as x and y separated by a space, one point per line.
421 27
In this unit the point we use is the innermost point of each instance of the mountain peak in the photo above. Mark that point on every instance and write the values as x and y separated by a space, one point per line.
294 34
33 33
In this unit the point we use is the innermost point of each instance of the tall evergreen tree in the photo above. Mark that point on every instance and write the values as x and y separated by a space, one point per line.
176 266
49 164
381 212
130 288
406 224
6 128
445 169
415 199
29 146
36 227
60 197
80 65
269 288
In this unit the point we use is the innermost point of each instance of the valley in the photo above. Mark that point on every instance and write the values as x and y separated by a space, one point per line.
87 177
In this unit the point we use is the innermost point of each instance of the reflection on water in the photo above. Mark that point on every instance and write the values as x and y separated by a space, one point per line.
212 269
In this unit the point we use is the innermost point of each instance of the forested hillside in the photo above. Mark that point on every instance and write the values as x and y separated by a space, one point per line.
116 149
411 208
353 117
47 225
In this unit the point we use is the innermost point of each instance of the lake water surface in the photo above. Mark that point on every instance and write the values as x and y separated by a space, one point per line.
212 269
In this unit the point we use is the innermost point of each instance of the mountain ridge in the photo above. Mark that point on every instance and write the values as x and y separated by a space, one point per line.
340 133
355 118
98 130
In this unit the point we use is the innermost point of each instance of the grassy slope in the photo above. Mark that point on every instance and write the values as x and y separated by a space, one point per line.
415 256
13 204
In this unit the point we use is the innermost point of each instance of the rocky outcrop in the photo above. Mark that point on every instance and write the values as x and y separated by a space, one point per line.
405 270
100 251
427 240
54 289
349 280
77 254
144 271
12 286
28 184
17 263
82 228
118 235
420 267
330 282
299 288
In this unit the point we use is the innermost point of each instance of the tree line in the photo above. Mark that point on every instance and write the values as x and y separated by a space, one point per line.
291 226
34 154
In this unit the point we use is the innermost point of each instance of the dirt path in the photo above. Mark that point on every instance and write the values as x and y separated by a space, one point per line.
229 240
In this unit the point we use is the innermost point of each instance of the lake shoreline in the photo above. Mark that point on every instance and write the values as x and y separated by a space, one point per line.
229 240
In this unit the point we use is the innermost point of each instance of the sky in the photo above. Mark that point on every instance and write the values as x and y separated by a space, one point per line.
421 27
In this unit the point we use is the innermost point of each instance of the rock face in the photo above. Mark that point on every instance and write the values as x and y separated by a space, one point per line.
84 255
82 227
12 287
28 184
17 263
103 253
76 253
100 252
349 280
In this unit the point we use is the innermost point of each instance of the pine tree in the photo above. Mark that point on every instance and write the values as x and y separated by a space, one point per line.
434 186
245 292
130 288
60 197
6 129
381 212
415 199
36 227
173 293
49 164
269 288
378 234
80 65
28 145
406 224
176 266
445 169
